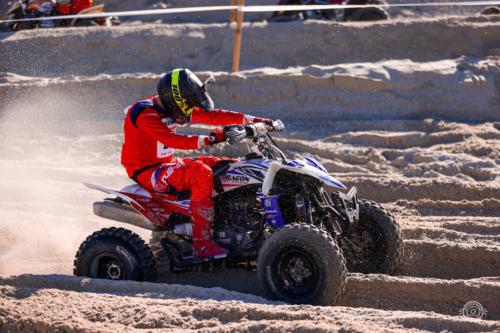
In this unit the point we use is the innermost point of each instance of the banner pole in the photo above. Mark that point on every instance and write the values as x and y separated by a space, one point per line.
233 11
237 40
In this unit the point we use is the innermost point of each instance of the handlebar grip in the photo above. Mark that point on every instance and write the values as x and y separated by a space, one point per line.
235 133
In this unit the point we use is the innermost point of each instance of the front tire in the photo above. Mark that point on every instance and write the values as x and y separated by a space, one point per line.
115 254
380 239
301 264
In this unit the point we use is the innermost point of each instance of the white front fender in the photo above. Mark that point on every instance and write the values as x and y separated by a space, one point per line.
305 169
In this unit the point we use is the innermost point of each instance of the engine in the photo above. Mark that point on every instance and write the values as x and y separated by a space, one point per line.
226 236
238 222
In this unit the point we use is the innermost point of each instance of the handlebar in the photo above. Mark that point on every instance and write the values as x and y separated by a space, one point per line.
257 132
236 133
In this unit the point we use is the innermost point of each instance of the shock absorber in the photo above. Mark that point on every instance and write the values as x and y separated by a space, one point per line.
300 207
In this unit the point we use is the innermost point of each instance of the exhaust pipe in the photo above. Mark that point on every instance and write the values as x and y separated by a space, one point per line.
124 213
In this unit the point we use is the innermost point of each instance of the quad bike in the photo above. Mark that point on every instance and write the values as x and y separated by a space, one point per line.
26 9
341 15
267 208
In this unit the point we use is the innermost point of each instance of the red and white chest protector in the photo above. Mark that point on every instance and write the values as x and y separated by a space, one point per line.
151 138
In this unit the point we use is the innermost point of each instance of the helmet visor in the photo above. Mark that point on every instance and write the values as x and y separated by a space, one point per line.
201 98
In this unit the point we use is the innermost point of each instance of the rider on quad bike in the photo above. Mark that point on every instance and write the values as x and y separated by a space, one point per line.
150 140
267 207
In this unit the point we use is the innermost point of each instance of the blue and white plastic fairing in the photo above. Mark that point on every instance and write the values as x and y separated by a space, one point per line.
263 171
308 166
313 167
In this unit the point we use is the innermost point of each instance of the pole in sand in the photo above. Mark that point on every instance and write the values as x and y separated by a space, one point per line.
233 11
237 40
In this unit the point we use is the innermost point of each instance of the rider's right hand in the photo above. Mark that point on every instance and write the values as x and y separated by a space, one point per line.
217 135
278 125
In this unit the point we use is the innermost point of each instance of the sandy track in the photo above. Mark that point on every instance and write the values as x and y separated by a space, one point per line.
452 246
421 136
397 293
130 306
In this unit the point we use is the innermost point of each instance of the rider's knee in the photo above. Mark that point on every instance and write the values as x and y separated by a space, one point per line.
200 181
200 173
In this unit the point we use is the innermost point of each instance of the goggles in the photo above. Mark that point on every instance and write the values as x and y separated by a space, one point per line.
186 109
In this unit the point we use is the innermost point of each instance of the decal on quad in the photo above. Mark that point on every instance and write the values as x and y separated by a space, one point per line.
159 207
235 178
272 211
244 173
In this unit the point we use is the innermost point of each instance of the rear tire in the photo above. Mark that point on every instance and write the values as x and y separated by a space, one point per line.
301 264
370 14
115 254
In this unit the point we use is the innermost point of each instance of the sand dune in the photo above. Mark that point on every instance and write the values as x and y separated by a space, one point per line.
203 47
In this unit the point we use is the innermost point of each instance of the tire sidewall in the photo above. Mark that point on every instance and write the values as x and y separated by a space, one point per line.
122 250
375 214
326 260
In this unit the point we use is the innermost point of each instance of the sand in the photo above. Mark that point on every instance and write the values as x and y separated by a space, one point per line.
223 16
209 47
414 128
60 302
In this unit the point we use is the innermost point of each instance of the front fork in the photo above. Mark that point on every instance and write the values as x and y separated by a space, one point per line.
348 207
341 207
303 208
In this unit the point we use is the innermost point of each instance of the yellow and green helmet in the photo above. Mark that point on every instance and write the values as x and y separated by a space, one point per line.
180 91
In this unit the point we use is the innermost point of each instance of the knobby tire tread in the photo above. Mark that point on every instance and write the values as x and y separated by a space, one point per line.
323 237
142 249
378 209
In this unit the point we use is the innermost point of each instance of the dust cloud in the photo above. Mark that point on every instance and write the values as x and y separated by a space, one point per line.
46 152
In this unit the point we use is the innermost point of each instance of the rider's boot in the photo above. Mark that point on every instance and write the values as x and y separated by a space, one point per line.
202 218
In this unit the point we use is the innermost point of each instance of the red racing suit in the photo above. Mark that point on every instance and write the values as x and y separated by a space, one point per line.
67 7
150 141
